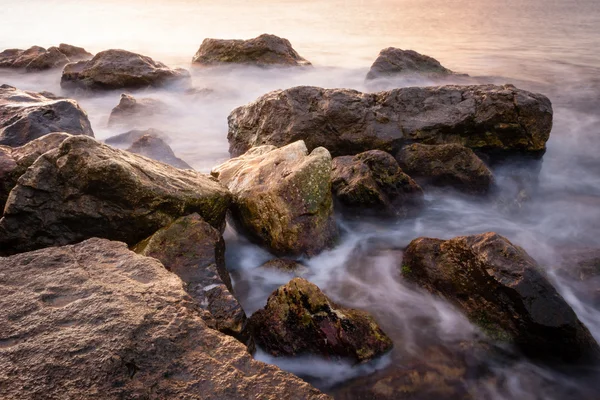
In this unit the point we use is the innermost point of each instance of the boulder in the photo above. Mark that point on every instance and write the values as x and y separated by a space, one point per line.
397 62
300 319
52 58
119 69
195 251
130 110
17 58
95 320
74 53
282 197
127 139
87 189
263 51
502 290
346 122
451 165
14 161
155 148
372 181
25 116
38 58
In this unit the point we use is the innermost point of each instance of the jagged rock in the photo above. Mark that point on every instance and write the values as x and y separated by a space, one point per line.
502 290
195 251
446 165
128 138
25 116
14 161
74 53
346 122
95 320
52 58
87 189
17 58
156 149
130 110
263 51
393 62
372 181
300 319
37 58
282 197
119 69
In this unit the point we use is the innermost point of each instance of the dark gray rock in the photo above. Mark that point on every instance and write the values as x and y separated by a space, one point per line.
397 62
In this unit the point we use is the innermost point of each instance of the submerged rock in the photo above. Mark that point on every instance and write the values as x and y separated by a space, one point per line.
155 148
95 320
373 182
581 266
119 69
284 265
195 251
37 58
300 319
124 140
87 189
451 165
282 197
130 110
393 62
485 117
502 290
263 51
25 116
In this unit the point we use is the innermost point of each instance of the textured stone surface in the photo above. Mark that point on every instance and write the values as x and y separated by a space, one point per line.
87 189
155 148
393 62
25 116
95 320
37 58
282 197
263 51
52 58
502 290
132 111
486 117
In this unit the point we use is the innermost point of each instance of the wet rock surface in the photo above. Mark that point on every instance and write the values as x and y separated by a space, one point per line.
37 58
502 290
372 182
397 62
485 117
95 320
581 266
87 189
262 51
300 319
282 197
155 148
450 165
131 111
25 116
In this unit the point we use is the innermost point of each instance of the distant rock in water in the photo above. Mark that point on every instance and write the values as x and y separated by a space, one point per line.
25 116
372 182
131 111
263 51
451 165
497 119
74 53
95 320
282 197
37 58
394 62
120 69
299 319
155 148
87 189
124 140
502 290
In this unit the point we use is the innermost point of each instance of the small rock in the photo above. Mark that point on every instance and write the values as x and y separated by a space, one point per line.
156 149
52 58
130 110
285 265
393 62
74 53
128 138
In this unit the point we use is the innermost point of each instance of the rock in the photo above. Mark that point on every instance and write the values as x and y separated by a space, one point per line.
156 149
282 197
581 266
95 320
25 116
393 62
195 251
373 181
263 51
451 165
284 265
502 290
128 138
130 110
87 189
74 53
300 319
52 58
485 117
17 58
37 58
119 69
14 161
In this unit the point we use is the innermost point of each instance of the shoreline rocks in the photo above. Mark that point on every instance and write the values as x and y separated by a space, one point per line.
37 58
131 110
393 62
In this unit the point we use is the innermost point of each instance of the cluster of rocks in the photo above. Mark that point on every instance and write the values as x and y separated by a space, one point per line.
37 58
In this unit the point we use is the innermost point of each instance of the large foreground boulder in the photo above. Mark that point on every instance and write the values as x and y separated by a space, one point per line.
37 58
373 182
119 69
87 189
263 51
450 165
195 251
95 320
393 62
502 290
346 122
282 197
300 319
25 116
